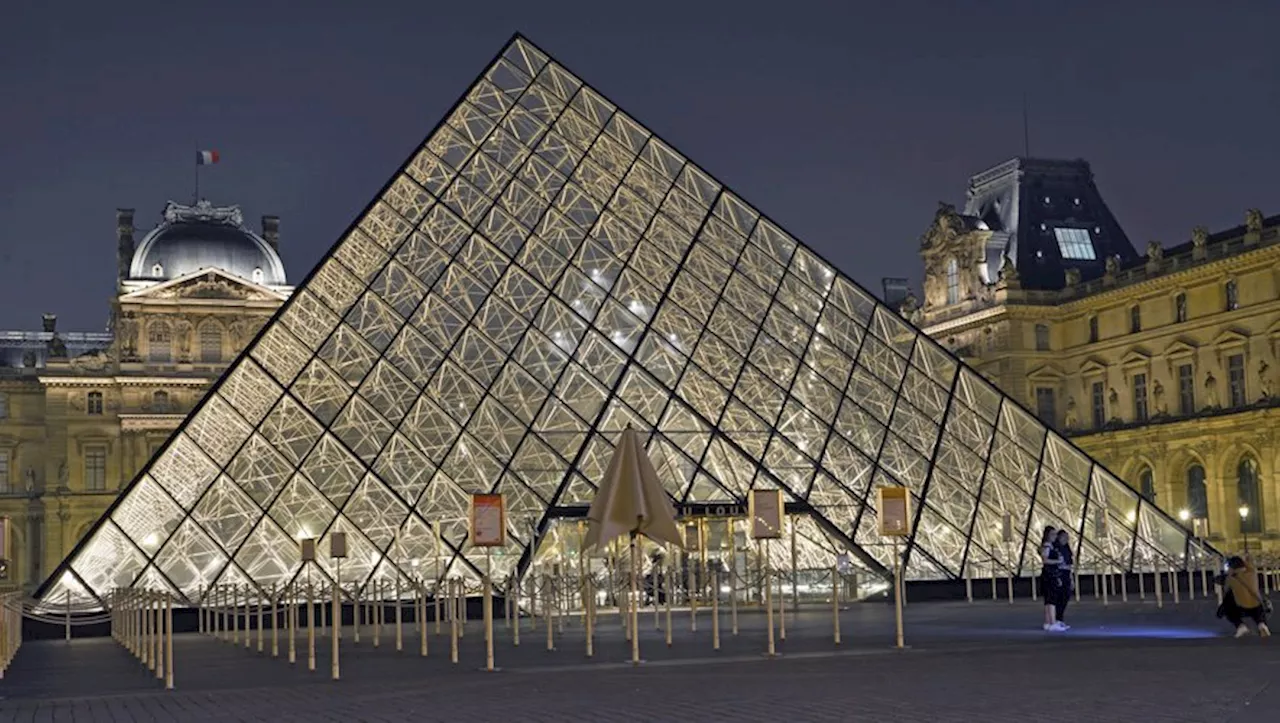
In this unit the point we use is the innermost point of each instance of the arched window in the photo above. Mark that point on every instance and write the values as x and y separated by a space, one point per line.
1249 495
160 401
210 343
953 281
1197 494
1147 485
159 342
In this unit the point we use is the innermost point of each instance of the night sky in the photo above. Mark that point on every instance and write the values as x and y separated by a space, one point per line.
845 121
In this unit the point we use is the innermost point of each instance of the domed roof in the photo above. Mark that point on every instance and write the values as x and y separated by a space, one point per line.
193 238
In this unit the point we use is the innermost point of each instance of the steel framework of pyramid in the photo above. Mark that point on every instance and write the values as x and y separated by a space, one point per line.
541 273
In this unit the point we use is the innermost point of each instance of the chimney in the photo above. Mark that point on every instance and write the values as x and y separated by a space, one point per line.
271 232
124 241
894 291
49 322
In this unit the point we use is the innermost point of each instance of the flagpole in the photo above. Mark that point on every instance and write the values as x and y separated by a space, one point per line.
196 198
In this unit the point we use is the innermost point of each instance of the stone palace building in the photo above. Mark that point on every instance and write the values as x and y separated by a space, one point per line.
81 412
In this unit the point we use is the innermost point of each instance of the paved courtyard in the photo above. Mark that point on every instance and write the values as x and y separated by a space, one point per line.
987 661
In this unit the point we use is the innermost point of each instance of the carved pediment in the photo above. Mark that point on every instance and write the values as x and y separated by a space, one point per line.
1135 358
1180 348
207 284
1093 367
1047 372
1231 337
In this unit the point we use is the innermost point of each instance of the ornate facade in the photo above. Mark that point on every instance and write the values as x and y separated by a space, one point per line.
80 413
1162 366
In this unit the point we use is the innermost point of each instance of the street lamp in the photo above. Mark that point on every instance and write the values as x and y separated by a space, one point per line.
1244 515
1184 514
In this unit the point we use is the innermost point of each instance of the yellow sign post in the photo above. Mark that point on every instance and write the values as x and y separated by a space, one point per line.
765 510
488 530
894 514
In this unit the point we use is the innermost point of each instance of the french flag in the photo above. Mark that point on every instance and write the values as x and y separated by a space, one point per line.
206 158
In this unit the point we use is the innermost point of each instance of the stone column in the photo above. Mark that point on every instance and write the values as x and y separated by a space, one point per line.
35 544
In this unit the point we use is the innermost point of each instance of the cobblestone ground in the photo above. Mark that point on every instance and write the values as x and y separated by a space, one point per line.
988 661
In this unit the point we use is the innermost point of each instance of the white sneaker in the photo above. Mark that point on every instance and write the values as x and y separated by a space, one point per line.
1048 626
1263 630
1060 627
1241 631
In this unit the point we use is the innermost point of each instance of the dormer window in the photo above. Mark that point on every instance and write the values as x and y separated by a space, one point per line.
257 276
1075 243
157 270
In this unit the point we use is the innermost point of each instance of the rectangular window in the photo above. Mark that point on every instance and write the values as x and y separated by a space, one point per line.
1235 380
1139 397
1045 407
1093 329
1186 390
1075 243
93 403
5 482
1042 337
4 405
95 469
1099 405
1135 319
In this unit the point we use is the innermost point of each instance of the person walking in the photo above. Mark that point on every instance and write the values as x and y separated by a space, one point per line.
1242 599
1049 579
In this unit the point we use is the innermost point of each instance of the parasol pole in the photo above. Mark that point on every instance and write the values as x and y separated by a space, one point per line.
631 607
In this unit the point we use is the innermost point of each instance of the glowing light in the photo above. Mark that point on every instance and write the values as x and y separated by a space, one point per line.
1131 516
1244 511
303 534
1184 514
151 540
415 562
638 308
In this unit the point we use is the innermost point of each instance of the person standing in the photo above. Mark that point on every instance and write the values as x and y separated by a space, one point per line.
1049 579
1066 577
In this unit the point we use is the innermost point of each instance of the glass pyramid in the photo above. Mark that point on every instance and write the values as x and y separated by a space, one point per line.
540 274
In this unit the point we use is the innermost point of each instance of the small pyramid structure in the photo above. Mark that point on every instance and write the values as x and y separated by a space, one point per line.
542 272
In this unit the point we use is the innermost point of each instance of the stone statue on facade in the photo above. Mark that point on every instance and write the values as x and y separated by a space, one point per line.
126 329
1264 380
1072 419
1112 266
1253 221
1199 242
182 333
238 331
29 480
1155 252
1157 397
57 347
1072 277
1211 391
910 309
62 475
1008 269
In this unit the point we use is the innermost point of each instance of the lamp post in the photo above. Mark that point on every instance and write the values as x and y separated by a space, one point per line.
1244 516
